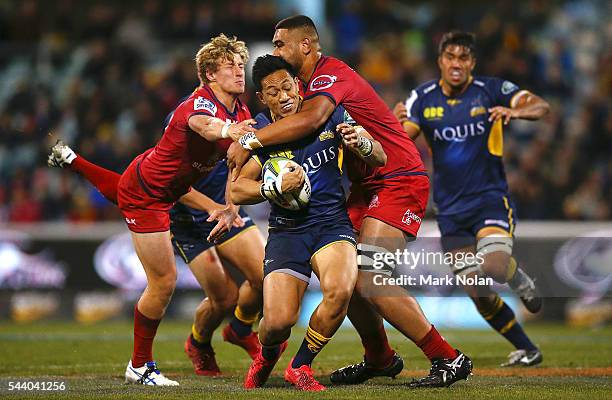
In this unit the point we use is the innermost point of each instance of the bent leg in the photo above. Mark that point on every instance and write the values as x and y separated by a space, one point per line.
336 267
246 252
221 292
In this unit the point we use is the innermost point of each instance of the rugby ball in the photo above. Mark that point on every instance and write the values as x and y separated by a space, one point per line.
273 170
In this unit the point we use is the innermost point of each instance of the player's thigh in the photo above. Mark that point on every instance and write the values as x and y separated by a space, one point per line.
155 252
336 267
377 232
213 277
283 295
246 252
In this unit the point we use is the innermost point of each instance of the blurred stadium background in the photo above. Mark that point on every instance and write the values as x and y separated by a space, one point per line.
102 75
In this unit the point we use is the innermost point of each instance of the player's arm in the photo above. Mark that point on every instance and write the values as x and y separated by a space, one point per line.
401 113
360 142
314 113
199 201
524 105
213 129
249 189
246 188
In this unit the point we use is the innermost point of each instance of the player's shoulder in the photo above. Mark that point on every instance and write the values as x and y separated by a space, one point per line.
263 119
493 83
427 88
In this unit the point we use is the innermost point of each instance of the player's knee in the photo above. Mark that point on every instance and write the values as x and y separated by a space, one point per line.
338 297
163 285
496 252
225 304
278 323
495 266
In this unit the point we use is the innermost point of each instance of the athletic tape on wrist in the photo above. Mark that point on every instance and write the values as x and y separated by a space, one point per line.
225 129
249 141
365 147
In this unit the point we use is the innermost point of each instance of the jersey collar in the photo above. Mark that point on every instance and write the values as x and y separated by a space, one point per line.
236 106
470 81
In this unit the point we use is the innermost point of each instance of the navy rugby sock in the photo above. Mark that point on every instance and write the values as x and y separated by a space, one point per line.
502 319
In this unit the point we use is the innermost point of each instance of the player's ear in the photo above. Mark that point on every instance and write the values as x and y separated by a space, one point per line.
210 76
260 97
306 45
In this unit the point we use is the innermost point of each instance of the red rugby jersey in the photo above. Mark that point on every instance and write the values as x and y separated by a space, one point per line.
182 156
336 80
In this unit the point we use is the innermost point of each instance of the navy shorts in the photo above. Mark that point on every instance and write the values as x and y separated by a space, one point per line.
189 237
459 230
290 251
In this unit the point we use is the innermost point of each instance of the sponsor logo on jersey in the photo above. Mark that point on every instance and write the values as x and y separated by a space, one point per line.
433 112
475 111
130 221
508 87
326 136
314 163
322 82
409 216
499 222
459 133
282 153
453 102
204 104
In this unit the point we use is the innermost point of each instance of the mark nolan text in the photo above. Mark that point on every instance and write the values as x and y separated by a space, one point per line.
430 280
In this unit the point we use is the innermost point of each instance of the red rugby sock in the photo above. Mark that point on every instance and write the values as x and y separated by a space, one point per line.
378 353
103 179
435 346
144 333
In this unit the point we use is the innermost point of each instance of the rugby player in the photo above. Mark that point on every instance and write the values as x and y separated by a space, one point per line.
158 178
242 246
319 236
462 117
386 208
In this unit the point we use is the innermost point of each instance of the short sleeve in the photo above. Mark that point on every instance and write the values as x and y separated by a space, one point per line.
333 83
504 92
413 107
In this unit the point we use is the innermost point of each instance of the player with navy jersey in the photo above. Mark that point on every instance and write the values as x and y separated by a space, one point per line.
387 206
317 238
163 175
462 117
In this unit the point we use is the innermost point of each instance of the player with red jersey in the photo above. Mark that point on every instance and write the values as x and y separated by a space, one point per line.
387 209
156 179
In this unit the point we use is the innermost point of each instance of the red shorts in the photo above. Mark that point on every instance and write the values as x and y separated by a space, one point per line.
399 201
142 212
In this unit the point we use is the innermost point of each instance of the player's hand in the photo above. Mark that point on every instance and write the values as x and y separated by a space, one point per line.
504 113
400 112
350 137
241 128
293 180
237 156
225 217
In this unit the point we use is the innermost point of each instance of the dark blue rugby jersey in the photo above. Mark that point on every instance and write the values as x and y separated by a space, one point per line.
467 148
320 154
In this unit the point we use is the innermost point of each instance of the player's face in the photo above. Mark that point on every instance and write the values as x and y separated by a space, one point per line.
230 75
287 46
456 64
280 93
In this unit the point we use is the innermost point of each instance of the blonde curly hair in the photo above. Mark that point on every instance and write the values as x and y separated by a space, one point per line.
220 48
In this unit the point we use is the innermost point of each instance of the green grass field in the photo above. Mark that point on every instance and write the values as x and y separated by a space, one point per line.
91 360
